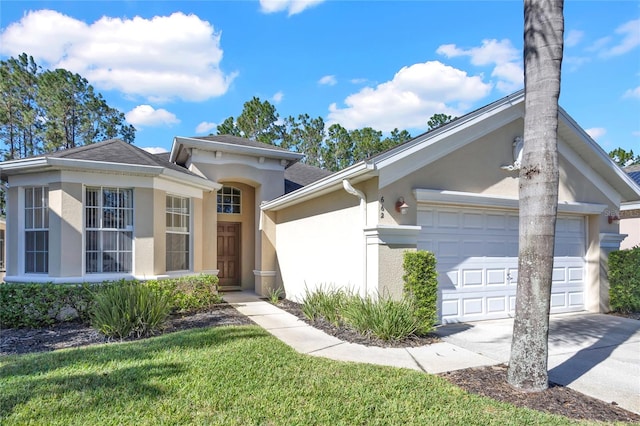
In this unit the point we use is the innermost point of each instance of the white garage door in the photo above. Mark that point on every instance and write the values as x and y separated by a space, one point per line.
477 255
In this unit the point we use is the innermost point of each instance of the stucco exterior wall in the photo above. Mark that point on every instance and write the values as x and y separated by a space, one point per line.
631 227
144 220
321 243
66 229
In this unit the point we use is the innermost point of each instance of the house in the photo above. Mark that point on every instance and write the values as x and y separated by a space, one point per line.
630 214
257 217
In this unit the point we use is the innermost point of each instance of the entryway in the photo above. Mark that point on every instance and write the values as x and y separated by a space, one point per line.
229 254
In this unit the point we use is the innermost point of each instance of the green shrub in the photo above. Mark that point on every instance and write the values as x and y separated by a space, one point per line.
129 308
624 280
37 305
383 317
189 293
325 303
421 285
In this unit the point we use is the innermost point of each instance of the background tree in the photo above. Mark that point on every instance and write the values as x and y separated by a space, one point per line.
258 121
18 109
624 158
51 110
543 45
438 120
337 151
307 136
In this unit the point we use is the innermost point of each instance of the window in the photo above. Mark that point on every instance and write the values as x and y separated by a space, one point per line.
229 200
36 230
177 217
109 230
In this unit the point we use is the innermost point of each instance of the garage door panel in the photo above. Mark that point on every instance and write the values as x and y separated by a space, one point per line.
477 255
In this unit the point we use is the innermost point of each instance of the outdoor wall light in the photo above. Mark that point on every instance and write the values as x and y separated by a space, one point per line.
401 206
613 218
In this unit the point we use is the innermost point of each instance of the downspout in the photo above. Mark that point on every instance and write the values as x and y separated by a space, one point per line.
363 210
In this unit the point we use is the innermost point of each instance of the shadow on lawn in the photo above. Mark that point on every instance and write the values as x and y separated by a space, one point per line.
104 381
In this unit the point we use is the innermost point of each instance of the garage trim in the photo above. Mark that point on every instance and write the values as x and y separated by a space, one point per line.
469 199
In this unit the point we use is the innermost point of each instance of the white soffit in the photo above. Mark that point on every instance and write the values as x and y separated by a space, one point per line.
470 199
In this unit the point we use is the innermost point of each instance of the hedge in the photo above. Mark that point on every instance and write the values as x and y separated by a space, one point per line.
624 280
421 284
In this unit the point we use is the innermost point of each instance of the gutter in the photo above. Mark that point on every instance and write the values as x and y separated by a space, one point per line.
363 210
319 187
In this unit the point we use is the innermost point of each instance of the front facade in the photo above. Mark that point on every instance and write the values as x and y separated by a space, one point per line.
454 191
256 217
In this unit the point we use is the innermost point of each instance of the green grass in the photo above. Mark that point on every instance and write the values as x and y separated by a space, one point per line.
230 376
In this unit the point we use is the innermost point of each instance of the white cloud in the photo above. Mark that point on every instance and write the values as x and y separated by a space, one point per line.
627 38
155 150
291 6
277 97
596 132
573 37
328 80
205 127
358 80
636 133
146 115
504 57
161 58
632 93
413 95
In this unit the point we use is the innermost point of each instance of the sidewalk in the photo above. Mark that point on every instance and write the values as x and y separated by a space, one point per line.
435 358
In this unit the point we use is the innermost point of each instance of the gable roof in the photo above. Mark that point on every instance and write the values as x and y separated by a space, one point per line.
180 150
634 172
299 174
441 141
112 155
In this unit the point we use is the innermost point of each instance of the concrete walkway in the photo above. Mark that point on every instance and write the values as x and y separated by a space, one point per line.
598 355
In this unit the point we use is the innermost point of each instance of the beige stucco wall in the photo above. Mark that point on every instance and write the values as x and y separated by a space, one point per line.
321 243
631 227
66 226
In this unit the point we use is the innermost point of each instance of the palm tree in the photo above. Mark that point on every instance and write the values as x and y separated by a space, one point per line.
543 45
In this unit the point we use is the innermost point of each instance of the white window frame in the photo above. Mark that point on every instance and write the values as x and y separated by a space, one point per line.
235 200
105 229
39 223
181 226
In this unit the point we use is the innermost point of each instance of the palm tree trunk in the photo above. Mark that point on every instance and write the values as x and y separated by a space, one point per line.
543 45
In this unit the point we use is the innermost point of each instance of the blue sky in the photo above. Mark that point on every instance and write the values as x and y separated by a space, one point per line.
180 68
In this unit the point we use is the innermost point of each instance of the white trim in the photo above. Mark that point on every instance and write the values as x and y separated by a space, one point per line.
440 197
200 156
584 168
629 206
259 273
320 187
208 145
611 241
406 235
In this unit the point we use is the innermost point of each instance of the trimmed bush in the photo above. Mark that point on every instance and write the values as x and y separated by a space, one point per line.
421 286
385 318
130 309
190 293
624 280
38 305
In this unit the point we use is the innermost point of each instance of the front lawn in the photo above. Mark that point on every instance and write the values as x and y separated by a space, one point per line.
231 375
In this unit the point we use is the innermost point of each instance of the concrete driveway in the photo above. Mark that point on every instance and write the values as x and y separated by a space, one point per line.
596 354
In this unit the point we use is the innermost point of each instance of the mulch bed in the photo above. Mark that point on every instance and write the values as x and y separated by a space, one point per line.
487 381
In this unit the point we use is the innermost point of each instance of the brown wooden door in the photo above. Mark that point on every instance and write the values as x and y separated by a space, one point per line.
229 253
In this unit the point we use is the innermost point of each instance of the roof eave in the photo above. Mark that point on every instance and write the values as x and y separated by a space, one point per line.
179 141
320 187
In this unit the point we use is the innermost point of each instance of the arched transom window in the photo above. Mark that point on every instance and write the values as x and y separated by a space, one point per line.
229 200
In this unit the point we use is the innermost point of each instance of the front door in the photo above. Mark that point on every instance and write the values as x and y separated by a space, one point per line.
229 253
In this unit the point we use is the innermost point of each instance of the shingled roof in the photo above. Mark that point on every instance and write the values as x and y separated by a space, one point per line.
634 172
116 151
236 140
299 174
